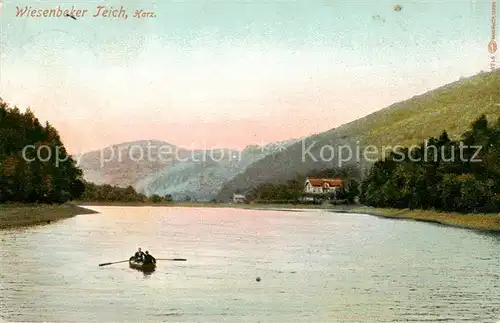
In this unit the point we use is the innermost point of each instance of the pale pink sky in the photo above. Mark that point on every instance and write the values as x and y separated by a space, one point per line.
206 90
89 119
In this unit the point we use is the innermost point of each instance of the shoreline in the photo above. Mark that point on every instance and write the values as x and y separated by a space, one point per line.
200 205
20 215
16 215
479 222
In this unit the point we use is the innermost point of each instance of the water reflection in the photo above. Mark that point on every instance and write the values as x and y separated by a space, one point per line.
148 273
315 266
145 273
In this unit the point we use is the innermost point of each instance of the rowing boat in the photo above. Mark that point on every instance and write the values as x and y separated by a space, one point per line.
141 266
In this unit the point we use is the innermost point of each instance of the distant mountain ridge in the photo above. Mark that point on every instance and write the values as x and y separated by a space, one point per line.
125 163
158 167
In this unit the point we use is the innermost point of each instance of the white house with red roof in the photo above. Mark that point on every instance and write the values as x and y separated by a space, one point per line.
323 185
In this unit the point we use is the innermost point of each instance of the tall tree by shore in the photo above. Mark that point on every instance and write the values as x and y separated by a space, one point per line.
34 164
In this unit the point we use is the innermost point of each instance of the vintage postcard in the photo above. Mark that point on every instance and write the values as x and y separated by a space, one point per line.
249 161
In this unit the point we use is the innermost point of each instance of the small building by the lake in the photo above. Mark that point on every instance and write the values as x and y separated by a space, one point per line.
239 198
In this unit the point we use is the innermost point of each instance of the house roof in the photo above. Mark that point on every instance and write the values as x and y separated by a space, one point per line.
321 182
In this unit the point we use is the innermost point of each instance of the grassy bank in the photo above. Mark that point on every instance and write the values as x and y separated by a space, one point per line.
16 215
483 222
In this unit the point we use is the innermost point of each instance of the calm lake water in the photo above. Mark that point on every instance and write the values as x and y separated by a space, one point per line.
314 267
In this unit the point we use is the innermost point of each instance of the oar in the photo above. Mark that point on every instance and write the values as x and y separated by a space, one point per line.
174 259
111 263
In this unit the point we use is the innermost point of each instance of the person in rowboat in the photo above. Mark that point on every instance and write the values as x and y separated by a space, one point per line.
139 255
148 259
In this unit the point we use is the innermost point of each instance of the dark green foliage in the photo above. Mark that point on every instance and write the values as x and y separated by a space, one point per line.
51 176
461 176
352 191
155 198
293 190
109 193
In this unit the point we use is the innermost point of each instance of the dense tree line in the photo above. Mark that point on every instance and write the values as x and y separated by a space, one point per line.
109 193
34 165
290 191
460 176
